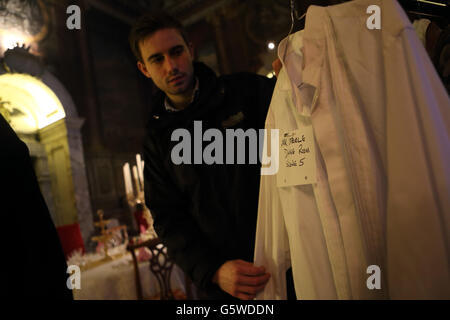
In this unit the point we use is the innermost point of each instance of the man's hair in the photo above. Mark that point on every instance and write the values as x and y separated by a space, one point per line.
147 25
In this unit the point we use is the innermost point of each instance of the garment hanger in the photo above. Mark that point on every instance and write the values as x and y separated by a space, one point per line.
294 16
423 14
428 8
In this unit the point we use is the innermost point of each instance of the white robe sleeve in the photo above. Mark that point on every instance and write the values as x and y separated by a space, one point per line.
271 245
418 171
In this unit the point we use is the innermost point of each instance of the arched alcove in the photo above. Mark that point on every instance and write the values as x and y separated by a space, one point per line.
32 104
43 114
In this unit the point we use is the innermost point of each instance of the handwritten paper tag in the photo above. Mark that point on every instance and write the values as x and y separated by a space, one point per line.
297 157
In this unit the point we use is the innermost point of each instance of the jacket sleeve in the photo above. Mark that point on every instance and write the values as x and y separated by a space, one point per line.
185 242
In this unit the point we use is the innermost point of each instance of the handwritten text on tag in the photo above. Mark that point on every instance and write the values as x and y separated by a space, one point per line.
297 158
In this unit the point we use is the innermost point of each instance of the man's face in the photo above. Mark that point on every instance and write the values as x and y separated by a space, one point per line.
167 60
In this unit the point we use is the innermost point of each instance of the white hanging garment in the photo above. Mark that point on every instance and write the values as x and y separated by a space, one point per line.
421 26
381 122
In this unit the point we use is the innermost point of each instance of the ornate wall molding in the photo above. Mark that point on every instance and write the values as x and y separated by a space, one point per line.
28 20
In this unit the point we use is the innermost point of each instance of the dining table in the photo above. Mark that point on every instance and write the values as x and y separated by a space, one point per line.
115 280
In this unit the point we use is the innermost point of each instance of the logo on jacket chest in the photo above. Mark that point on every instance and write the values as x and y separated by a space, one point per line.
233 120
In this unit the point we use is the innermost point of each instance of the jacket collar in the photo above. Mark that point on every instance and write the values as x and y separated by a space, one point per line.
207 82
168 104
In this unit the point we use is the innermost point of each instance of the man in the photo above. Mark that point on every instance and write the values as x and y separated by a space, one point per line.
204 213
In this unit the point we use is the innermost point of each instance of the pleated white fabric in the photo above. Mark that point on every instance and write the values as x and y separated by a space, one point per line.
381 120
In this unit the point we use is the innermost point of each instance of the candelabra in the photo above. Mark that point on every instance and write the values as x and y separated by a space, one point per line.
134 188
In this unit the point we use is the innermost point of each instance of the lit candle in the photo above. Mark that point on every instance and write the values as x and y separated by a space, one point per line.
136 179
140 170
127 178
142 166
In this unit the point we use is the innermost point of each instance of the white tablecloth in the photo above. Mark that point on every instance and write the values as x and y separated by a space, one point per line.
115 280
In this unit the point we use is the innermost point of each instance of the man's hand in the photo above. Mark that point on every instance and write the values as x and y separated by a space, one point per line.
241 279
277 65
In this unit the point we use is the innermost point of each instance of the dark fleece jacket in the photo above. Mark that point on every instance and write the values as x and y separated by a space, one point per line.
206 213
